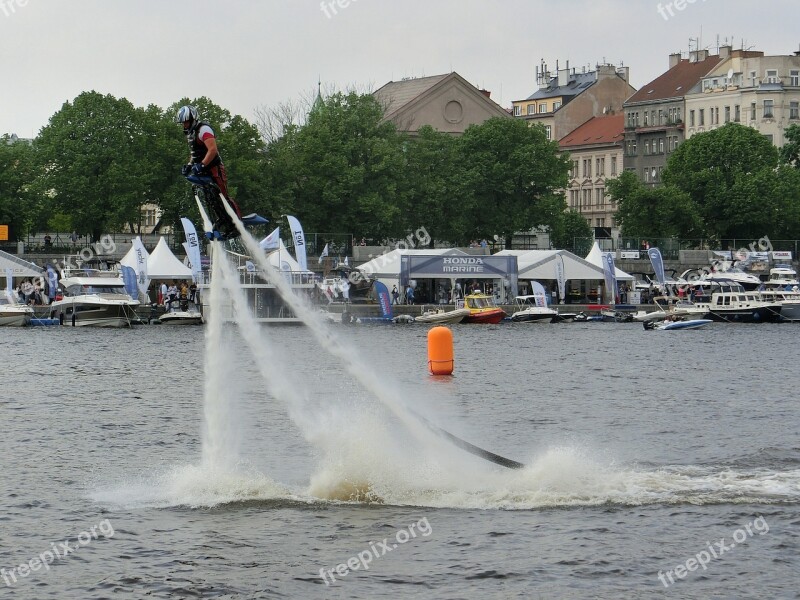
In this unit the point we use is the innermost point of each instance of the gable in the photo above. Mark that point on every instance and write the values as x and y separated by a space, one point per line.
451 105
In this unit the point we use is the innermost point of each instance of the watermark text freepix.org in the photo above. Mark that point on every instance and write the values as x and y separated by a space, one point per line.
715 550
9 7
376 550
56 551
668 10
329 6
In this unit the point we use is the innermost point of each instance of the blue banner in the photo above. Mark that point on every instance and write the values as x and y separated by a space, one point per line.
131 283
610 274
658 264
384 300
52 281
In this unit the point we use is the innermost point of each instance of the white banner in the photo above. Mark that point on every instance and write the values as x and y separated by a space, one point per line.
192 247
272 241
10 283
561 278
782 254
299 242
140 255
629 254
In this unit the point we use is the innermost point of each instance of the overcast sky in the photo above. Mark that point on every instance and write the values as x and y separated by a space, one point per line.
249 53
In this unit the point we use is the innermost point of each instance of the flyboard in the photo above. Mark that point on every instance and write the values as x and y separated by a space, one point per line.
213 234
214 200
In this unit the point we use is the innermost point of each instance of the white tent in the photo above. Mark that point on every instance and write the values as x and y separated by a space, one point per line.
386 267
162 264
595 257
282 260
129 260
540 265
19 267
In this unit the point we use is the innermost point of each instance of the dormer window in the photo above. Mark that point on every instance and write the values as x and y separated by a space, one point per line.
772 76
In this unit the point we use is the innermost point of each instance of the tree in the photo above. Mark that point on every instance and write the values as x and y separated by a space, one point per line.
95 161
342 170
18 202
513 173
569 226
730 175
790 153
644 211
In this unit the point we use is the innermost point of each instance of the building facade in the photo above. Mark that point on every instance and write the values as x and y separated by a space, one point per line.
655 115
567 99
596 151
747 87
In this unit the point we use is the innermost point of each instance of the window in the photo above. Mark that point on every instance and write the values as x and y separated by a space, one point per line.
678 112
691 118
772 76
543 107
768 109
597 166
598 198
769 137
653 118
647 147
737 113
646 175
556 106
587 167
613 166
794 78
794 109
727 114
702 117
661 146
660 117
531 109
646 121
753 79
752 111
633 147
548 131
517 110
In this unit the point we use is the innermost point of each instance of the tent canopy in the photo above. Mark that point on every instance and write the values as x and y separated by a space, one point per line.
387 266
282 260
18 266
163 264
540 265
595 257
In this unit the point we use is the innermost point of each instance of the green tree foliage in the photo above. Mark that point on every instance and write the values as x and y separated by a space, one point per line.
341 171
731 176
95 161
18 202
568 227
790 153
644 211
512 173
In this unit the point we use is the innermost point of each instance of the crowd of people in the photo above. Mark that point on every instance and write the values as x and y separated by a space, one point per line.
177 295
30 292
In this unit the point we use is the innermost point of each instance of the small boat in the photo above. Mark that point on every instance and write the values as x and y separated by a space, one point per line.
669 325
533 309
181 317
14 314
482 309
94 298
441 316
564 317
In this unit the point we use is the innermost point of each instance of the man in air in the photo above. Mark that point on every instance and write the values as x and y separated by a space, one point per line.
204 156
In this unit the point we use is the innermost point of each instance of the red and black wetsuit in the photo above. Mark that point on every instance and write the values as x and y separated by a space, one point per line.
196 136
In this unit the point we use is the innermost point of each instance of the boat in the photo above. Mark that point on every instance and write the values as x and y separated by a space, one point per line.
728 301
94 298
782 277
533 309
13 313
181 317
679 308
564 317
441 316
747 280
670 325
789 301
482 309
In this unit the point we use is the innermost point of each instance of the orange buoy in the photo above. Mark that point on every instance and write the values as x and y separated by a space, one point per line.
440 351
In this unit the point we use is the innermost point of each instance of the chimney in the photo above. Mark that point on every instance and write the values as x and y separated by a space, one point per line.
623 72
604 71
698 55
725 51
563 76
674 59
486 93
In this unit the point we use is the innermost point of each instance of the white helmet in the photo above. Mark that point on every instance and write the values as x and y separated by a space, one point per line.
186 113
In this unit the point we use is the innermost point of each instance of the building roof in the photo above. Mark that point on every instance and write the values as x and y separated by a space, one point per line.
578 82
676 82
608 129
397 94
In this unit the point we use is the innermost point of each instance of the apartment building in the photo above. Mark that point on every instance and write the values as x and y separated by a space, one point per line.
596 150
567 99
655 115
747 87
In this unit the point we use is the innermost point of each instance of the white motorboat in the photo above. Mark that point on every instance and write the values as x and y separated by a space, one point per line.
533 309
728 301
181 317
441 316
678 308
782 277
94 298
789 301
13 313
670 325
747 280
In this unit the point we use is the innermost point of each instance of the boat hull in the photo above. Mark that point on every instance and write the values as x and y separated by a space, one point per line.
111 316
491 316
445 318
181 318
15 319
758 314
533 317
676 325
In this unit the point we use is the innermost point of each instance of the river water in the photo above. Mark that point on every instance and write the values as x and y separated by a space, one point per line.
644 451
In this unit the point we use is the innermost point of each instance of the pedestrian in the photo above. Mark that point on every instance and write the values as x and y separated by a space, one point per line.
409 294
162 294
395 295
